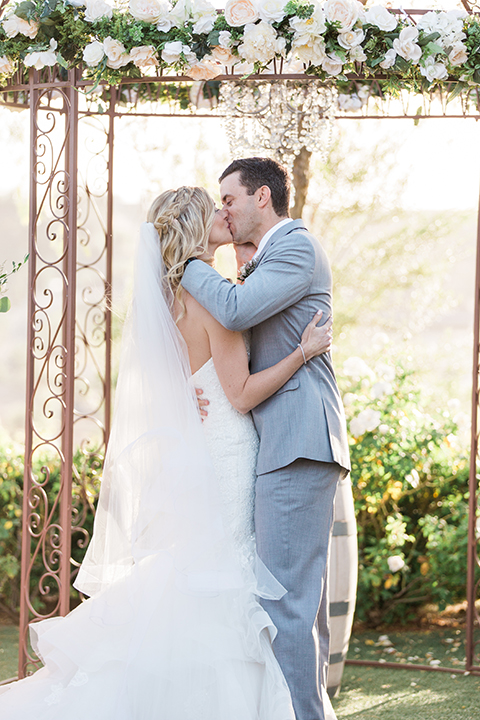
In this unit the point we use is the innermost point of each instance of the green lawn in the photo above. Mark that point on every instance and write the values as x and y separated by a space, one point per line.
8 651
376 693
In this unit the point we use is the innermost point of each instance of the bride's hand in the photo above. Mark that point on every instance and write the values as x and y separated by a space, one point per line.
317 340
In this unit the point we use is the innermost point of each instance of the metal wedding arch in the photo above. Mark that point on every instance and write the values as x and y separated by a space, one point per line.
69 373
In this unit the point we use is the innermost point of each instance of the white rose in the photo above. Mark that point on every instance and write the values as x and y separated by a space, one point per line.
259 43
13 25
39 60
349 397
381 388
171 52
93 53
144 56
314 25
204 25
345 12
395 563
240 12
357 428
224 56
164 24
356 54
430 22
333 65
366 421
225 39
96 9
206 69
149 11
349 103
383 428
116 53
190 56
204 16
271 10
350 39
405 45
357 368
76 3
433 70
458 54
7 66
389 60
180 13
381 17
309 49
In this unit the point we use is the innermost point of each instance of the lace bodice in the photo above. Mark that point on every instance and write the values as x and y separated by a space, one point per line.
233 444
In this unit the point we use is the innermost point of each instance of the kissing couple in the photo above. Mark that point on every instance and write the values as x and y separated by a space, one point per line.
206 573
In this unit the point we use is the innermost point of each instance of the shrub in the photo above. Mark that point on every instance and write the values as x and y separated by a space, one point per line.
410 485
85 478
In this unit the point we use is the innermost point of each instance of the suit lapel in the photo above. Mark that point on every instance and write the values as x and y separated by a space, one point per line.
284 230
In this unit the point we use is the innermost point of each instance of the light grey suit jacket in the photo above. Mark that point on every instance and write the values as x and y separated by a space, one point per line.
305 418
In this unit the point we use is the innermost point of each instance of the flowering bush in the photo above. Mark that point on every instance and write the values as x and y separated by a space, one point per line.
189 36
85 488
410 483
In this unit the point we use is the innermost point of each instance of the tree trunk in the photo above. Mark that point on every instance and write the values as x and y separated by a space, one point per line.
301 179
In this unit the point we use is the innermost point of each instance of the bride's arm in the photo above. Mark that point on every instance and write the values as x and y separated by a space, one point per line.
246 391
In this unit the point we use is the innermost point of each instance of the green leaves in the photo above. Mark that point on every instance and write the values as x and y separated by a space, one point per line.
4 301
25 10
426 39
409 483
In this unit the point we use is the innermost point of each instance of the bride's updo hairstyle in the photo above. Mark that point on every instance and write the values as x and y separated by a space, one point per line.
183 219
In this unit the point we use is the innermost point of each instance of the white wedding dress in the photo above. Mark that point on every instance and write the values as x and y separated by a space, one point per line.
174 629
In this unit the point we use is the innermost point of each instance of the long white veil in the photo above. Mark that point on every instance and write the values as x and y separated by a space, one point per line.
159 492
172 628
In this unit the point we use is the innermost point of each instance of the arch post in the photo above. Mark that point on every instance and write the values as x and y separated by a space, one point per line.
47 505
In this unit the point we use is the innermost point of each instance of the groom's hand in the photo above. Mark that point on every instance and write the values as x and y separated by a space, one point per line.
244 253
202 403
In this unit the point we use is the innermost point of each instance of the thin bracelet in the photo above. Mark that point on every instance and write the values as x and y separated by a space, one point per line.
303 353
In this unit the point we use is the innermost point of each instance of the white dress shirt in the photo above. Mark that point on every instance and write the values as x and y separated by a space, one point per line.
269 234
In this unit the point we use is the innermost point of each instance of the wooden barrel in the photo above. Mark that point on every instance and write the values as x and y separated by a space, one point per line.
342 582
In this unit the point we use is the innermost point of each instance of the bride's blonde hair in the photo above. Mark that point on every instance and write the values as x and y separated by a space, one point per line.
183 219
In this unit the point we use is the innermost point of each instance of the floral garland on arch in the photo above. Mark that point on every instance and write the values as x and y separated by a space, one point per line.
328 40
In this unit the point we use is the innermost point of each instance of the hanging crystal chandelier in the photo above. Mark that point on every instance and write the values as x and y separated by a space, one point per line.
277 117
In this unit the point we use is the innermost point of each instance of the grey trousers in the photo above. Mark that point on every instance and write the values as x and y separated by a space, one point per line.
293 524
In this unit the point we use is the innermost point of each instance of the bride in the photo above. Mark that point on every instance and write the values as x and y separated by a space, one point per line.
172 629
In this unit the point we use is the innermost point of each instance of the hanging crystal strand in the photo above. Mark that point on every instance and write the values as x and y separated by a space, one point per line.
278 118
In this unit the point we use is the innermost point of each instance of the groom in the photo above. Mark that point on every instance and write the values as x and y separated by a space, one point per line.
303 443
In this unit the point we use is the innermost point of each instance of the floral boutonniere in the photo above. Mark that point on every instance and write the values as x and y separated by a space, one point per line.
247 269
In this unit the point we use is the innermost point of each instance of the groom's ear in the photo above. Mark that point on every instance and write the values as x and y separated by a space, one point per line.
264 196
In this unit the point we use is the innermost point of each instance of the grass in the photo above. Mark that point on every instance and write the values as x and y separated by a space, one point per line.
376 693
8 651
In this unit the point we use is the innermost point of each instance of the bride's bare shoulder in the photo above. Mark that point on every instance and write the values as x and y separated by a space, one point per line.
197 312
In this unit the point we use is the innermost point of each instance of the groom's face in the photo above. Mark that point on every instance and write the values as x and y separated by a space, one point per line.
241 209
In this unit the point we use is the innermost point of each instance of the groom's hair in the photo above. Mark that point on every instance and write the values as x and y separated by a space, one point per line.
258 171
